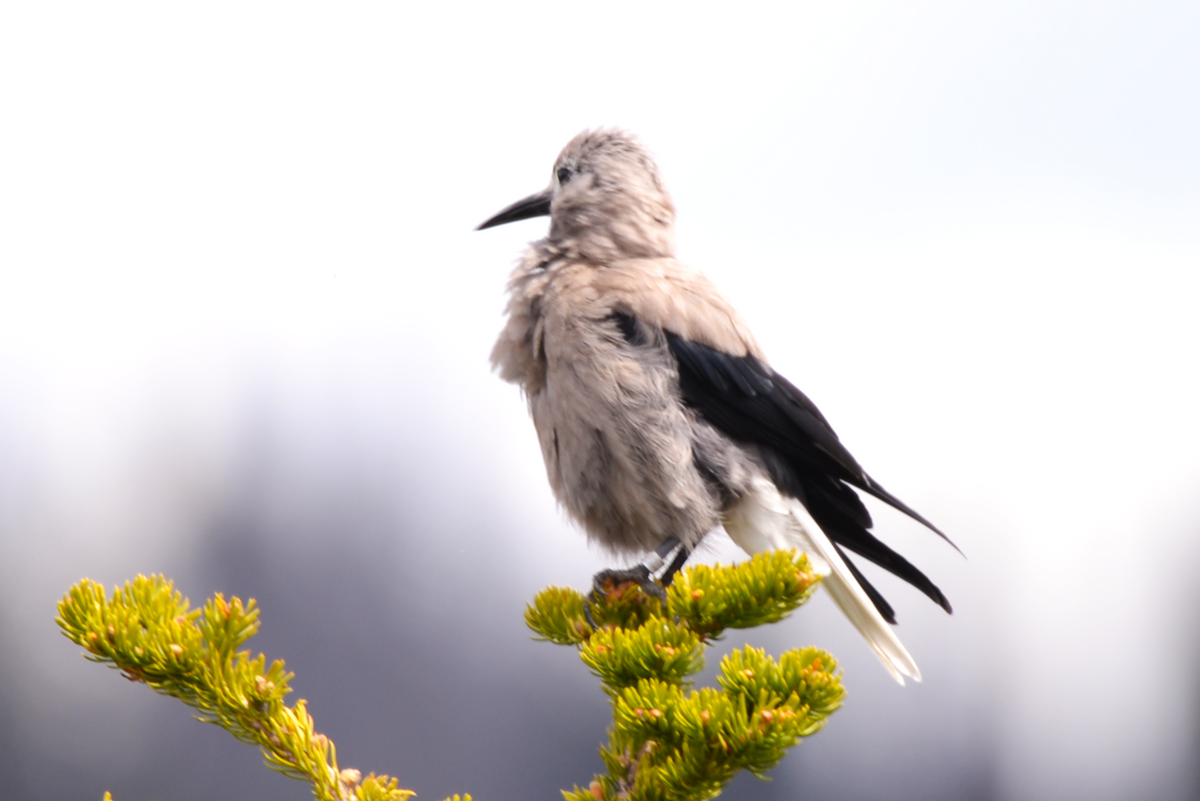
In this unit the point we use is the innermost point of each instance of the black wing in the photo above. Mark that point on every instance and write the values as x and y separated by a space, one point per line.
750 402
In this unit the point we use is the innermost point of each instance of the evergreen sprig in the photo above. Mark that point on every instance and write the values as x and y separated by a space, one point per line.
148 632
669 742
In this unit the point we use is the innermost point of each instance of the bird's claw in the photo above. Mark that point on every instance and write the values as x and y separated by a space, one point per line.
638 574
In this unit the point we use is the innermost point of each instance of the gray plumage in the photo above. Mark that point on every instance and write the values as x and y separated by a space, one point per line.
657 413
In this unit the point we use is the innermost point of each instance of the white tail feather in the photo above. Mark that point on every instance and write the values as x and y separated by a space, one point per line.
764 520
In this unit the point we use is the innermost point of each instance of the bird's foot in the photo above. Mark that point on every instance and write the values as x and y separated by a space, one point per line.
609 584
606 581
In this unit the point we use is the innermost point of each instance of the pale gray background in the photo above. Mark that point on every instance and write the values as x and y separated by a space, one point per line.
244 328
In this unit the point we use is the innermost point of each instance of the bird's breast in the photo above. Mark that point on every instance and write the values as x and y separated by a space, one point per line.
615 439
623 454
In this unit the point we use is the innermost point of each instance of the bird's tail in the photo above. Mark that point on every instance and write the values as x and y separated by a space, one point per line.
766 520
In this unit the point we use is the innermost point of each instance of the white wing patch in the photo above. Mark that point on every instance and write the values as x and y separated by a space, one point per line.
764 520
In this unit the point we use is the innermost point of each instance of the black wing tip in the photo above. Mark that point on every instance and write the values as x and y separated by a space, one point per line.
881 605
937 531
942 601
871 487
870 548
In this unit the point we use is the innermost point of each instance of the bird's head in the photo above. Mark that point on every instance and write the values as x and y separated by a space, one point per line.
606 201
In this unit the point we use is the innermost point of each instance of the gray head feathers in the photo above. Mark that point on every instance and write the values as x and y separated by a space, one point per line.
609 200
606 201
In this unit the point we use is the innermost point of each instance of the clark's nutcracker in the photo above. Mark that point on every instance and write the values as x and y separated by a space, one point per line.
658 415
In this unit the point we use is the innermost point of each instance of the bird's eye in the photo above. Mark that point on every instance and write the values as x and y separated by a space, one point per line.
564 175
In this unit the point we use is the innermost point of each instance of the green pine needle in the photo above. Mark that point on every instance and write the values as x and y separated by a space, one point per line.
147 631
670 743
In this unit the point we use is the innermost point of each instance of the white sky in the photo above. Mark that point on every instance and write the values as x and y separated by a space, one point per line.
970 231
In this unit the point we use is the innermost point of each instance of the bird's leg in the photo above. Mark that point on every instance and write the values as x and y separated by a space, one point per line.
671 553
676 565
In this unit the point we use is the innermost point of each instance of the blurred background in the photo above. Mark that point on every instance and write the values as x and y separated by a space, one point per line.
244 338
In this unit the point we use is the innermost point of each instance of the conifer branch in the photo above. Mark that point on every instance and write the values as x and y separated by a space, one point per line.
669 742
148 632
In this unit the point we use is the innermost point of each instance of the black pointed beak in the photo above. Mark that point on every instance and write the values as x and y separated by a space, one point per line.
533 206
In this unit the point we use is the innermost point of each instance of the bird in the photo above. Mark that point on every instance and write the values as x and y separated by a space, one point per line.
659 417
